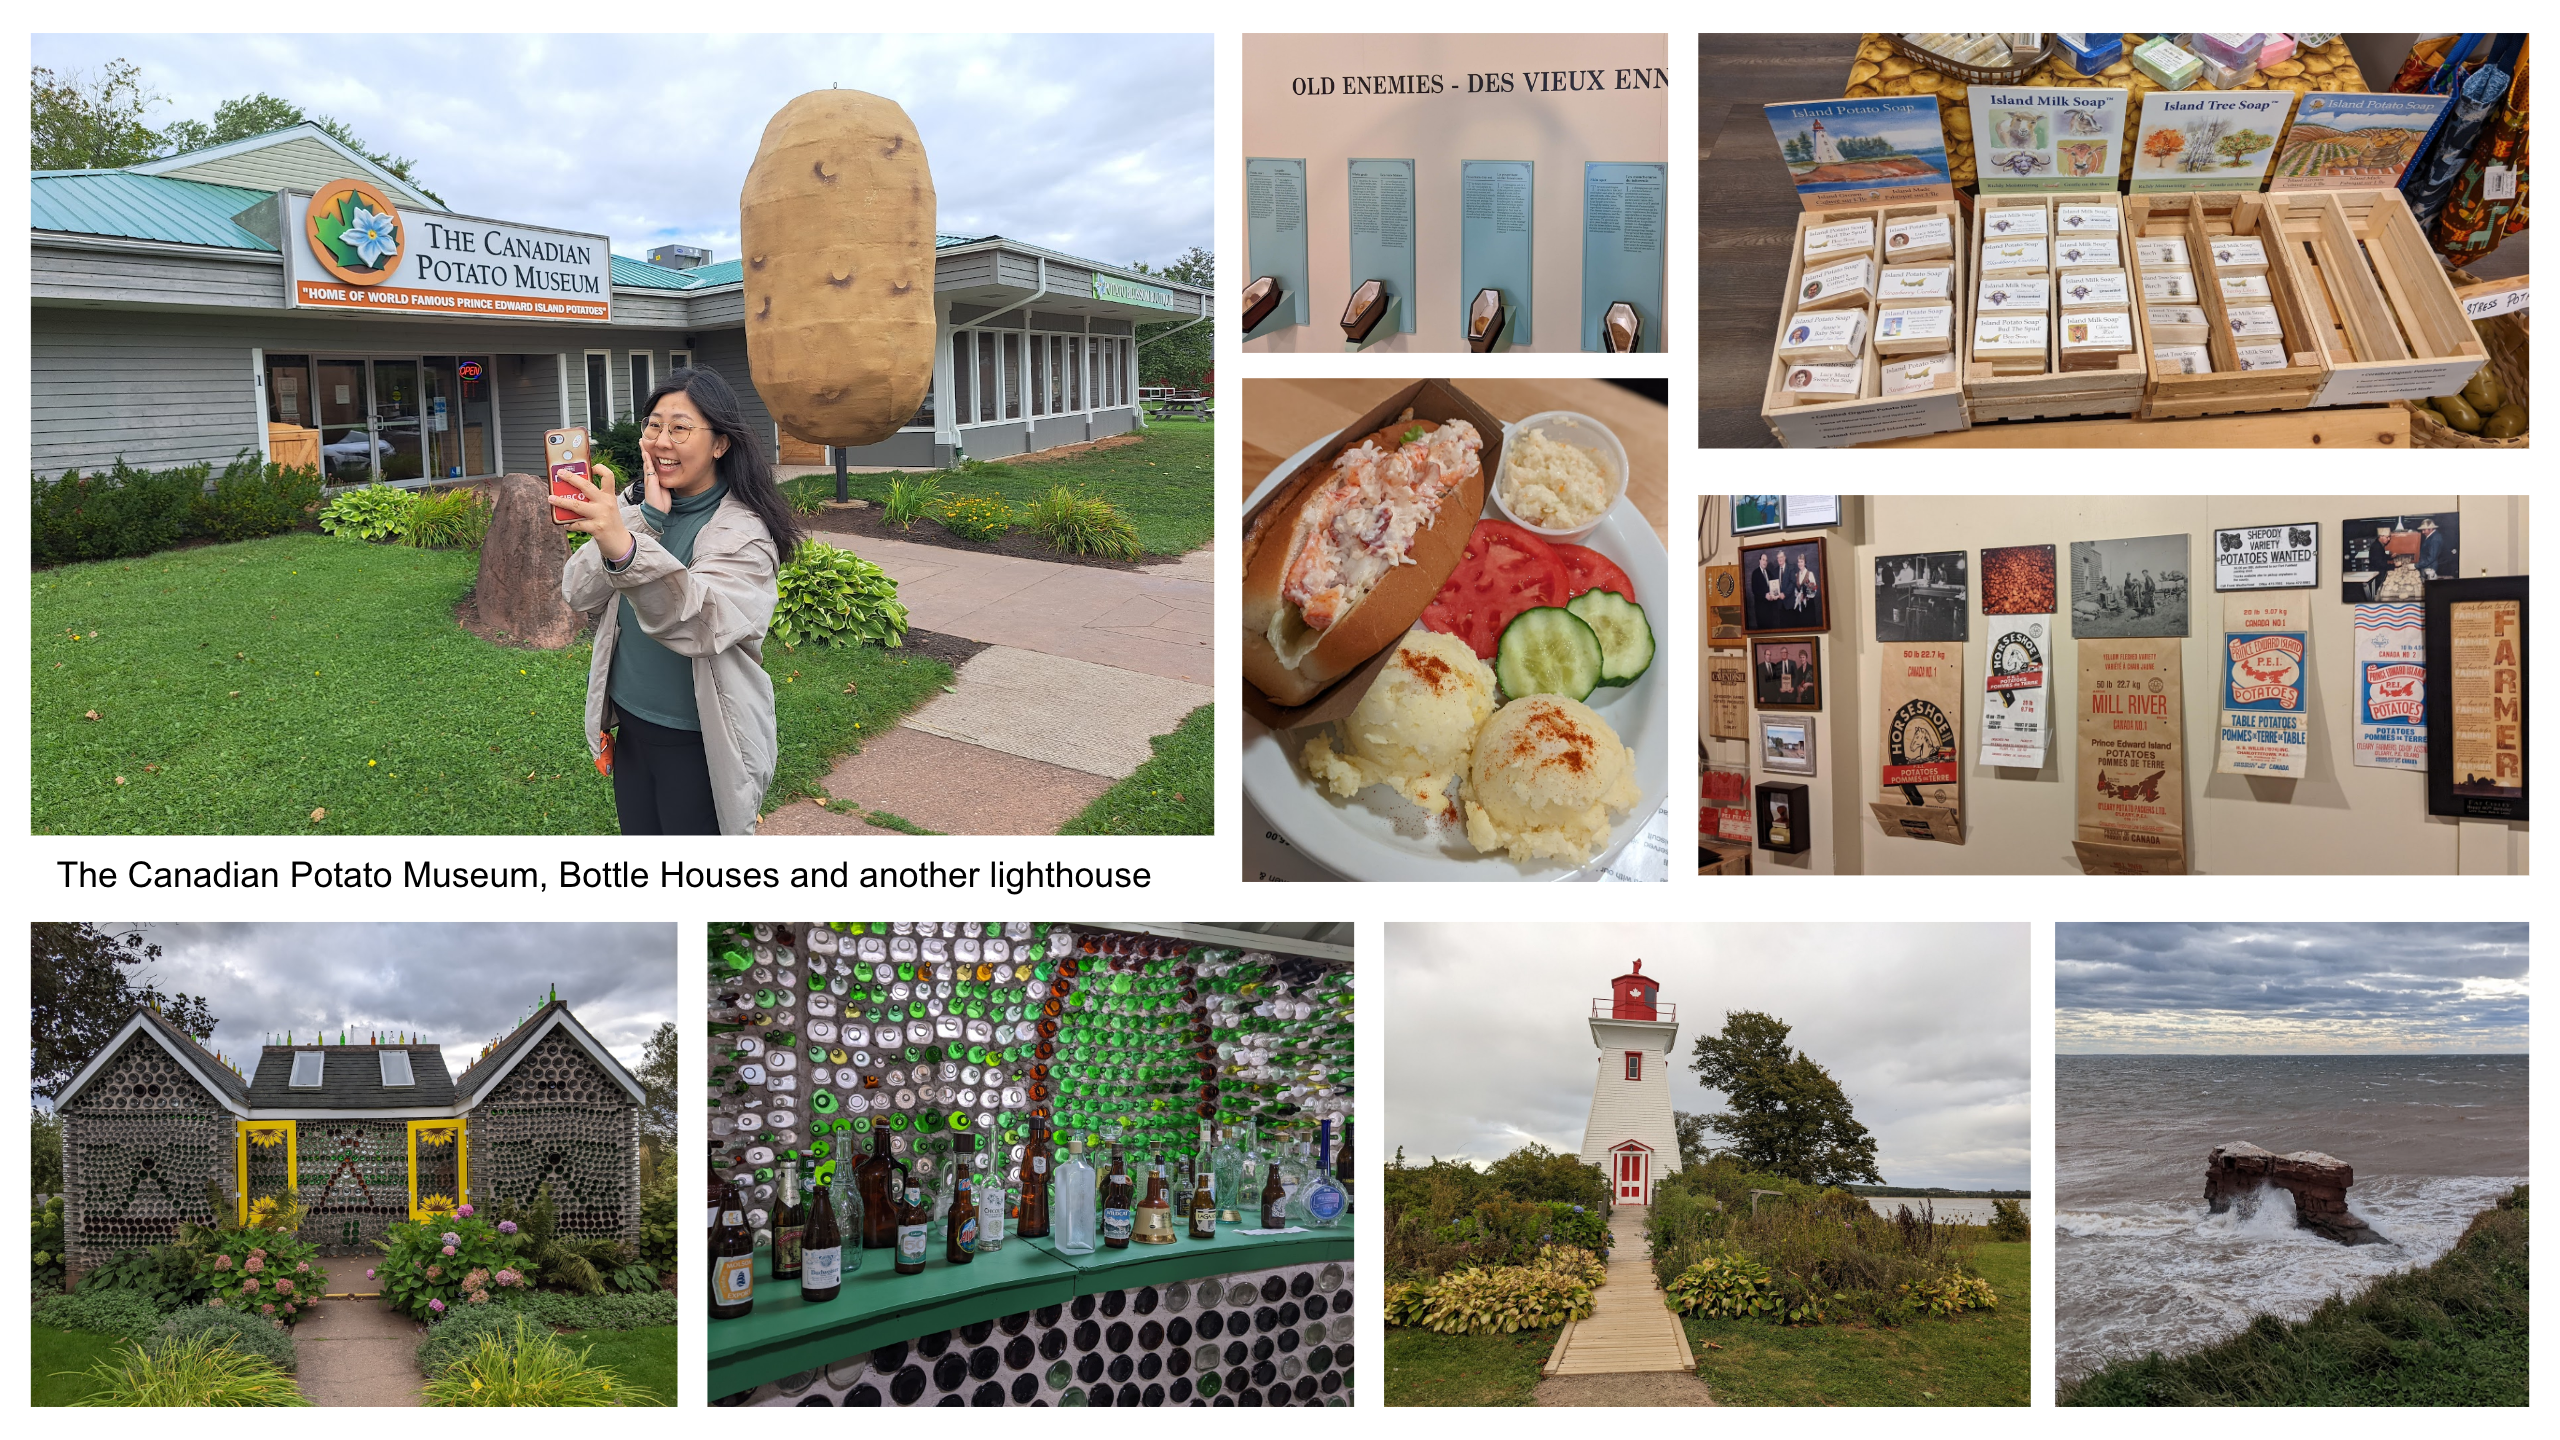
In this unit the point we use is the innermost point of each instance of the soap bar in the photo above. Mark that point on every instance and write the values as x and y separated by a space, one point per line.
2239 255
2244 288
2186 359
1929 237
1915 329
2010 344
2016 295
2164 62
2009 222
2178 324
2256 322
1902 377
2092 54
2227 77
1825 337
2160 252
2071 219
2025 255
2168 285
2092 339
1840 241
2228 49
1821 382
1916 285
2277 50
2312 42
1851 282
2075 252
2262 357
2093 290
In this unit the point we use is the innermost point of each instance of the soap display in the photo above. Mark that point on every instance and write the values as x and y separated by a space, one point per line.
1825 243
1903 376
2256 322
2226 49
2025 255
2071 219
2160 252
2261 356
2092 340
2239 255
1821 382
2091 54
2010 344
2178 324
1836 287
2185 359
1916 285
1824 337
2168 285
2081 252
1915 330
2092 290
2016 294
2168 66
2012 221
2243 288
1929 238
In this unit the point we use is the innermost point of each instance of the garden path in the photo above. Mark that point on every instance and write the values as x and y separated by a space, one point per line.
1631 1341
356 1351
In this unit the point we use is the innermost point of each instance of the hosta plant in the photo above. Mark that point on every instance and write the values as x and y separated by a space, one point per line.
1950 1293
1504 1301
829 596
1725 1285
1574 1263
376 512
1406 1301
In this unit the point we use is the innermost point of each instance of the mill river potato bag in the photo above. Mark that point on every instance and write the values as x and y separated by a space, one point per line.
2131 806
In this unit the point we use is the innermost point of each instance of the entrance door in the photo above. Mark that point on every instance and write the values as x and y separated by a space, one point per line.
341 401
1633 1168
398 420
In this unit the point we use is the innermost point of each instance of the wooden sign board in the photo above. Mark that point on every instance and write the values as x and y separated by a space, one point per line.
1728 695
2131 808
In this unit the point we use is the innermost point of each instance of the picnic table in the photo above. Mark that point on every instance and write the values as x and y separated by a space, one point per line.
1197 406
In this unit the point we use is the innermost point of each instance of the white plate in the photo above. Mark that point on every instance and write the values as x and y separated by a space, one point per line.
1379 835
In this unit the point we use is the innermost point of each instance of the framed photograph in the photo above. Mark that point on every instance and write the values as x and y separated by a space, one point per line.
2479 676
2017 580
1786 674
1755 513
1786 744
1785 816
2392 557
1785 587
2267 557
1812 512
1923 597
2123 589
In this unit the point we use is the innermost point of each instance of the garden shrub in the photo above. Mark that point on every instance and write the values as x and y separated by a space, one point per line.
558 1262
1949 1293
201 1373
829 596
1579 1225
530 1368
456 519
618 445
1081 524
808 494
2008 1220
449 1259
1534 1172
264 1272
1574 1263
977 518
122 511
658 1219
165 1275
375 512
251 499
1503 1301
599 1312
1724 1285
911 498
458 1333
45 1267
237 1329
107 1312
1407 1300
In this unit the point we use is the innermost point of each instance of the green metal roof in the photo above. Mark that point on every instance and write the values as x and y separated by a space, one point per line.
640 274
143 207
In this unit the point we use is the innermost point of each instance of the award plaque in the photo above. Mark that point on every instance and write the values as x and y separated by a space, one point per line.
2131 779
2478 672
1720 588
1728 695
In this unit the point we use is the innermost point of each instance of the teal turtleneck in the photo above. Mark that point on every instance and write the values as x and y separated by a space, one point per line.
649 680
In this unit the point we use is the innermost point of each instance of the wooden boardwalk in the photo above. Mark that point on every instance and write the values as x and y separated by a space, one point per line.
1630 1327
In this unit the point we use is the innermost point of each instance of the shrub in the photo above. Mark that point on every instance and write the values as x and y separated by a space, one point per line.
165 1276
430 1267
808 494
1579 1225
1504 1301
1725 1285
911 498
251 499
45 1261
1574 1263
201 1373
457 1334
1533 1172
1081 524
599 1312
2008 1220
832 597
237 1329
658 1220
530 1368
123 511
456 519
107 1312
1407 1300
271 1272
376 512
976 517
1948 1294
618 445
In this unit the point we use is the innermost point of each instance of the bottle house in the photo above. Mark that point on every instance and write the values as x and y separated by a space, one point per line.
1630 1134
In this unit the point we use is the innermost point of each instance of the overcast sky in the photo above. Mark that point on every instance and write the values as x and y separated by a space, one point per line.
2426 988
1925 1026
458 986
1097 145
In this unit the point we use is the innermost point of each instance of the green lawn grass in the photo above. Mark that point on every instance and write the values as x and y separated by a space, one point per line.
1169 794
645 1357
1977 1358
238 688
1166 484
1427 1368
61 1361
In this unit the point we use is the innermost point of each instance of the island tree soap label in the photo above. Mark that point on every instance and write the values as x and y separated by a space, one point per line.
1920 753
2266 656
2015 726
2187 359
2391 686
2160 252
2045 138
2130 775
2207 140
1879 150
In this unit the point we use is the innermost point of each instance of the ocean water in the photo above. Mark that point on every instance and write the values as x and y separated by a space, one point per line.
2140 1265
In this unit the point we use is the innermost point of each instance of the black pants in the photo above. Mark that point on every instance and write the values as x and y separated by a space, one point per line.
661 782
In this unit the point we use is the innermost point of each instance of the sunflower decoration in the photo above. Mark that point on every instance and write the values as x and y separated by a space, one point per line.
266 1138
434 1139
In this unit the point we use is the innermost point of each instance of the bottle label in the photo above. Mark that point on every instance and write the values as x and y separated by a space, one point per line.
1323 1202
821 1269
1205 1218
969 1234
1039 1164
735 1279
732 1218
911 1242
1116 1223
786 1248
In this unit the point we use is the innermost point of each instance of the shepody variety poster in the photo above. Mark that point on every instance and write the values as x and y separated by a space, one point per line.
2041 138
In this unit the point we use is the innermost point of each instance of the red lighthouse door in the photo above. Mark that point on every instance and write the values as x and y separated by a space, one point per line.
1633 1168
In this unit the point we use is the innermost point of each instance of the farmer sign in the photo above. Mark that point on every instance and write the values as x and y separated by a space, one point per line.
348 246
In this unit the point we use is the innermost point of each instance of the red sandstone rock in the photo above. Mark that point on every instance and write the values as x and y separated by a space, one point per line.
518 597
2317 1182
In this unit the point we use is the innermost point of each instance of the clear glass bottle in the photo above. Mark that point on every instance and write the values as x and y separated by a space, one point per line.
1320 1203
991 1204
1075 1218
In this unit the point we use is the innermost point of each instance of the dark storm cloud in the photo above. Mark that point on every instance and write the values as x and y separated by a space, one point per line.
2402 986
458 986
1097 145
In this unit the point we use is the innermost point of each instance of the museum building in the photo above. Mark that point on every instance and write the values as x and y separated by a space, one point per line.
189 308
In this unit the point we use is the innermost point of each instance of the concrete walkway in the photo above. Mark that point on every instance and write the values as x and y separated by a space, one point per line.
356 1352
1631 1337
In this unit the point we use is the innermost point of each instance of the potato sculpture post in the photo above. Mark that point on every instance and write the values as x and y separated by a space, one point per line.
836 220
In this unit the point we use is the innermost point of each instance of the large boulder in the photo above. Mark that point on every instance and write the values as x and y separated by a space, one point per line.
518 597
2317 1182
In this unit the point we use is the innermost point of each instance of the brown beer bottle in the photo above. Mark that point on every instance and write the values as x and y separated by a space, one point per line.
1031 1221
960 1237
1119 1217
790 1221
822 1249
915 1217
1273 1193
880 1180
1204 1205
733 1258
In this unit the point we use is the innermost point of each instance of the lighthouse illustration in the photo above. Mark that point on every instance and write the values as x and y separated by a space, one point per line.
1629 1135
1826 151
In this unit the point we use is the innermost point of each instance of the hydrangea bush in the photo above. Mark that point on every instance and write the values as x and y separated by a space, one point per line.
268 1273
449 1259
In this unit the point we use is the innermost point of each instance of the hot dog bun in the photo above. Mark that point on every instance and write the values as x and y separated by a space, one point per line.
1273 539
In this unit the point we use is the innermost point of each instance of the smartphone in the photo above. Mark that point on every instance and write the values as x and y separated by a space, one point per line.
565 451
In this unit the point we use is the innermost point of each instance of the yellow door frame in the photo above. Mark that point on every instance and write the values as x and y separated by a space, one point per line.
242 1129
461 1161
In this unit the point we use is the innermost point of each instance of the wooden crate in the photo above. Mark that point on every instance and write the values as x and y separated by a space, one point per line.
2054 395
2199 219
2382 308
1874 415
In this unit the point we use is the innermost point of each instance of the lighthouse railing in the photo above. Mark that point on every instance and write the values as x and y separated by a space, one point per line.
1606 1008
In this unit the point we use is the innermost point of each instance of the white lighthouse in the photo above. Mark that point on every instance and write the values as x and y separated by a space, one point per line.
1826 151
1630 1135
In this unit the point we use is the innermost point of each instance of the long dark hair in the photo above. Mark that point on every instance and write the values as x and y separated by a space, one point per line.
743 467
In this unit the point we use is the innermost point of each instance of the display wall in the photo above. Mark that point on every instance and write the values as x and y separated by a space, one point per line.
2336 818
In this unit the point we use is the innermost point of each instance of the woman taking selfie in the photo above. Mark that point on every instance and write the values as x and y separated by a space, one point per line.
679 709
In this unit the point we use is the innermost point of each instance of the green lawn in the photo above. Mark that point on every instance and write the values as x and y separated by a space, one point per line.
1166 485
1169 794
1977 1358
61 1362
1426 1368
238 688
646 1357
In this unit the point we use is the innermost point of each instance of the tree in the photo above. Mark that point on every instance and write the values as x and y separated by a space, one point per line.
44 1153
2161 144
82 996
1534 1172
658 1075
80 121
1692 1133
1788 1116
1189 359
236 119
2243 145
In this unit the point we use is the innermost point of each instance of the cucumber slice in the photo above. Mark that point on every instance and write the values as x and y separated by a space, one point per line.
1626 638
1547 651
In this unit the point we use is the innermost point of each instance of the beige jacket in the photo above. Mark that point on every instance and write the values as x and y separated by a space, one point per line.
716 612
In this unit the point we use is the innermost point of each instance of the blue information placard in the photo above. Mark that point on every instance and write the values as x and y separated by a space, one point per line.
1625 208
1275 214
1382 232
1497 215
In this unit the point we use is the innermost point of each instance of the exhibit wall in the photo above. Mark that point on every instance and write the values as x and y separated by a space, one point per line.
1559 130
1831 806
2335 818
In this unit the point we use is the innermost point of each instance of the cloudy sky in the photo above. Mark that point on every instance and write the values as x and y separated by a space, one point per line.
458 986
2346 989
1097 145
1925 1027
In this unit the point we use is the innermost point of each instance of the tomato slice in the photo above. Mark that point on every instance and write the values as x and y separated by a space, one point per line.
1588 569
1503 571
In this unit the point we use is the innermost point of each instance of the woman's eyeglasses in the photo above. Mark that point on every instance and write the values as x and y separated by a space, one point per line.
675 434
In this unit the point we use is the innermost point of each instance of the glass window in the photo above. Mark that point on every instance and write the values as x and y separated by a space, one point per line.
395 1069
1039 374
1057 348
461 431
1635 1064
641 383
1075 372
987 378
306 1069
346 438
963 380
599 393
289 390
679 360
399 420
1013 377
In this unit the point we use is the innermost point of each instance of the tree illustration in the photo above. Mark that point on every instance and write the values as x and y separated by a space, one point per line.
2208 139
1800 149
2242 145
2160 145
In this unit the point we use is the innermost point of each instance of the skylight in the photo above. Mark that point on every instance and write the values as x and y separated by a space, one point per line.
306 1070
395 1068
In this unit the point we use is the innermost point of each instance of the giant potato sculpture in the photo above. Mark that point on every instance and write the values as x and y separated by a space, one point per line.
837 223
